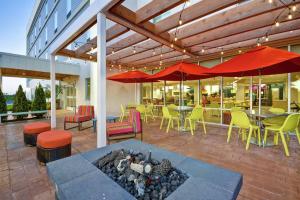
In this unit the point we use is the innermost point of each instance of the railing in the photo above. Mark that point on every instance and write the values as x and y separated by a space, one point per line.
22 113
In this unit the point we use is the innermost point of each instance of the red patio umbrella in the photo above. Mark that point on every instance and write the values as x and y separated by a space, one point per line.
261 60
181 72
130 77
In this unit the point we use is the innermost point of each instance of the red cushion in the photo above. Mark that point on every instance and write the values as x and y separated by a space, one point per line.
54 138
36 128
117 130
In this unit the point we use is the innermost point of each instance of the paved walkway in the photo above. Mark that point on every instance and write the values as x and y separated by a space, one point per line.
268 174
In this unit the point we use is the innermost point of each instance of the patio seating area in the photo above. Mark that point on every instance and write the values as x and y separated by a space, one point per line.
267 172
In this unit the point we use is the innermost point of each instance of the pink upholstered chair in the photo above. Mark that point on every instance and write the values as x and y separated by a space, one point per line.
126 129
84 114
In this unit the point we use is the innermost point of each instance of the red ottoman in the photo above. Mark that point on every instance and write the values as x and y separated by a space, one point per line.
53 145
31 131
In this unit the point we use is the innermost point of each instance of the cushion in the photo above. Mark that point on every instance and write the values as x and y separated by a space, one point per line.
54 139
78 118
36 128
117 130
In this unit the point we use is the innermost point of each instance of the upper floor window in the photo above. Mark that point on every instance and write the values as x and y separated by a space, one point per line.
69 8
55 21
46 35
46 9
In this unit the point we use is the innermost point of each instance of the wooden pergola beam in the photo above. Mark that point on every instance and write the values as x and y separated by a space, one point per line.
155 8
72 54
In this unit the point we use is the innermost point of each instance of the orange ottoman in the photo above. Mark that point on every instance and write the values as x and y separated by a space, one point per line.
31 131
53 145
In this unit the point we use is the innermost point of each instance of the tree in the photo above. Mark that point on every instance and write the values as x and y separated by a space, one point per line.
47 94
3 106
20 103
39 101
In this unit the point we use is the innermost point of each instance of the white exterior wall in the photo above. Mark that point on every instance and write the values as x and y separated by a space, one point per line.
81 85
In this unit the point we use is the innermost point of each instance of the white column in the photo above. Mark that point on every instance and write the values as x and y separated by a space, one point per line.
289 86
53 92
101 80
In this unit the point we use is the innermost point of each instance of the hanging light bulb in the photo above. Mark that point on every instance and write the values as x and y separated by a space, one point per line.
270 1
184 50
277 24
134 51
172 45
188 3
267 38
153 53
160 62
120 66
203 50
294 8
110 69
290 16
91 57
175 39
222 52
258 44
180 22
113 52
240 51
92 48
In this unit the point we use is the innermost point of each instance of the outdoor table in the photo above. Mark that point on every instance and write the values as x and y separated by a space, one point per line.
183 110
158 108
258 118
108 119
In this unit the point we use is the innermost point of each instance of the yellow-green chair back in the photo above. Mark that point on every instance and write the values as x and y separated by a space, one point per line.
172 110
276 111
291 122
166 113
197 113
141 108
236 109
240 119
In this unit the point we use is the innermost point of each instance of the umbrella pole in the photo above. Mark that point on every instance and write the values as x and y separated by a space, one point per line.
165 95
259 95
199 91
135 95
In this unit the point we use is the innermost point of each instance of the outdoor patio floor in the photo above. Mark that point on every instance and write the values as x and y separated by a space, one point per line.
268 174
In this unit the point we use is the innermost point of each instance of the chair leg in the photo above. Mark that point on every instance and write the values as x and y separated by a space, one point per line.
185 123
298 135
78 126
249 138
162 121
284 144
204 128
275 140
265 136
259 139
178 124
229 132
191 127
169 124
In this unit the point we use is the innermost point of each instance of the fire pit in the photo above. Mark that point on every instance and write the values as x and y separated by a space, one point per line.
141 175
132 170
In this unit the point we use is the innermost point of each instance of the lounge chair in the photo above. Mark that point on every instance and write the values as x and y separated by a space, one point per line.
84 114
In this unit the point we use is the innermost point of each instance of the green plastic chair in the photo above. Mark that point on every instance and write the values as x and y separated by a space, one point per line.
276 111
277 120
290 125
196 115
172 110
169 117
142 109
149 110
124 113
241 120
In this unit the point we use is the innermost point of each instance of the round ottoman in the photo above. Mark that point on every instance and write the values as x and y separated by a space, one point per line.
30 131
53 145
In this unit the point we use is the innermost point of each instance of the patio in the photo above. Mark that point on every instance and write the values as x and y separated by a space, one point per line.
268 173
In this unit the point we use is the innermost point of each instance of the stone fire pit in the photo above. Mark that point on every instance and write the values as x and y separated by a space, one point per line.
92 175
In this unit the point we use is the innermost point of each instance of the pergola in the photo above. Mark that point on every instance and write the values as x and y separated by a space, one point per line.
202 31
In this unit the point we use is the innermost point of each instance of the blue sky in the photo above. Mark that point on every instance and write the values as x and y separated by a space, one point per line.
14 15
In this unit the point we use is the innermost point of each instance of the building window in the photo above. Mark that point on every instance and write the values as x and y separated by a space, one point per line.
35 32
46 35
34 50
40 44
55 21
87 89
46 9
69 8
46 55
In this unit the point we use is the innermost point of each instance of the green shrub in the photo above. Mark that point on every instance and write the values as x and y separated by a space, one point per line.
39 102
3 106
20 103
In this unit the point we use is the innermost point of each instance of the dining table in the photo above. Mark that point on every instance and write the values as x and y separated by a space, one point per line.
183 110
258 118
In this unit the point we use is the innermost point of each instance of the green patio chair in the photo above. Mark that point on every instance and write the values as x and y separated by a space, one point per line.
241 120
290 125
169 117
196 115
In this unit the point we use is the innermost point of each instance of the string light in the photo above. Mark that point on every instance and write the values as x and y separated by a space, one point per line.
290 16
203 50
112 66
92 48
175 39
240 51
184 50
161 55
277 23
270 1
91 57
188 3
113 52
258 44
153 53
267 38
222 52
180 22
172 45
134 51
160 62
294 8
